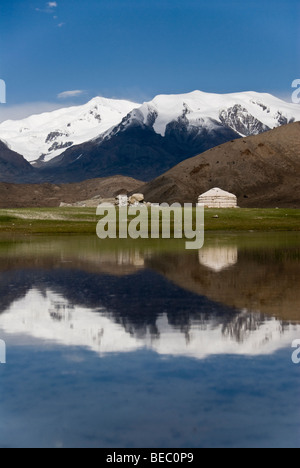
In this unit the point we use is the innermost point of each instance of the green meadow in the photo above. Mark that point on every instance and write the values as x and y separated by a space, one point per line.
84 220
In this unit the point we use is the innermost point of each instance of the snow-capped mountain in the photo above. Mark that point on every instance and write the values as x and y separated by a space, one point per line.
161 133
247 113
47 135
108 137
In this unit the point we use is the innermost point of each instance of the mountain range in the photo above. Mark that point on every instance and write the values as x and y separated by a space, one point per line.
262 170
43 137
107 137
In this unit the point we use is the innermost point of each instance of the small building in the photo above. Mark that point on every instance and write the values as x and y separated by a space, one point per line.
217 198
122 200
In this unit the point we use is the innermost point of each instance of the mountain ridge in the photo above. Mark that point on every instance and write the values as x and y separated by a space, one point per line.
44 136
51 195
161 133
141 141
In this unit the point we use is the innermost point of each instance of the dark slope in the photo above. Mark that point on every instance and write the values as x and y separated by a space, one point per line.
13 167
136 152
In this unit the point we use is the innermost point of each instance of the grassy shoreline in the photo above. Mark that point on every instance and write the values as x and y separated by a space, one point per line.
84 220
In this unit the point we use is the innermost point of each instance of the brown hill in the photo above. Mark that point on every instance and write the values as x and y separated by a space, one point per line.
262 170
49 195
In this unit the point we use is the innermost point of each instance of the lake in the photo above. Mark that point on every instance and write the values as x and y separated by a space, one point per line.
144 344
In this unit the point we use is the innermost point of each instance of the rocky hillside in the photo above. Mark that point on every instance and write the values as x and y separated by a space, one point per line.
262 170
49 195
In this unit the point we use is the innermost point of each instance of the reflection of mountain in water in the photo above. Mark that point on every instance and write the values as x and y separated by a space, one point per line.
116 321
214 301
135 301
263 280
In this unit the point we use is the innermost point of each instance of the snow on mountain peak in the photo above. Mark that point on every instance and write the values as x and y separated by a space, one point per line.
246 112
47 135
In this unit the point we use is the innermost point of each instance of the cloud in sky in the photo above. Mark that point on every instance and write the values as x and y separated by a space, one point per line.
49 7
71 94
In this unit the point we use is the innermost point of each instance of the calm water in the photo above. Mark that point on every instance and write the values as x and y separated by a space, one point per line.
147 345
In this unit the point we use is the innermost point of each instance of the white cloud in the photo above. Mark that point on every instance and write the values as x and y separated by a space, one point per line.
71 94
60 25
49 8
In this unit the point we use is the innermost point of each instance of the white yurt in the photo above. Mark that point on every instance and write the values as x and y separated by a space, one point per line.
217 198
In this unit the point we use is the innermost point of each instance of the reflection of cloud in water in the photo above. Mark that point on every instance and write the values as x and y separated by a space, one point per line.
48 316
218 258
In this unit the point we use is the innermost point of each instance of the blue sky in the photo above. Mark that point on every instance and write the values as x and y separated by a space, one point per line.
136 48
